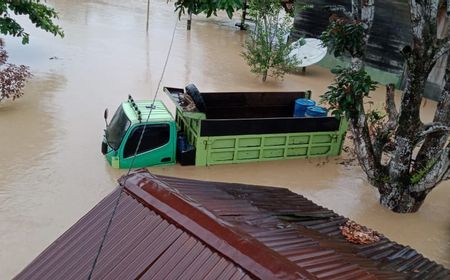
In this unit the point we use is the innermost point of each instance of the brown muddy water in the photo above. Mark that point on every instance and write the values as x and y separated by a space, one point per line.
52 171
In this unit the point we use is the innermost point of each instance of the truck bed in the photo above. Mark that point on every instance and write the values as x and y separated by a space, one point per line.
244 113
237 127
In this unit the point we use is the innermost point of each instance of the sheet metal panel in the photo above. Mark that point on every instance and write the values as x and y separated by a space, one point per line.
306 233
140 244
227 240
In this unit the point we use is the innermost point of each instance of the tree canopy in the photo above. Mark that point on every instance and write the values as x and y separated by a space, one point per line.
40 15
13 77
208 7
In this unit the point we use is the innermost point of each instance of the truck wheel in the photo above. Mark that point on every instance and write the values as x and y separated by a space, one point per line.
193 91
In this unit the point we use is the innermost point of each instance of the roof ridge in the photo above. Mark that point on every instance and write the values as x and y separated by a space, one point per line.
225 238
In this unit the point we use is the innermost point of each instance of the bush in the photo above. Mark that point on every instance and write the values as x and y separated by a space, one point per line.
267 51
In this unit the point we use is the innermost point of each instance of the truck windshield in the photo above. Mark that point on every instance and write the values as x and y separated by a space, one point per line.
117 128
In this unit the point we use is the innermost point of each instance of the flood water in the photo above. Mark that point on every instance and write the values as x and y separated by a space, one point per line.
52 171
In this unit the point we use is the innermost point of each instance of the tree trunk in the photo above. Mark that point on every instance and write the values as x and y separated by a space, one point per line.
363 10
189 22
264 76
363 146
408 126
435 142
357 64
403 183
244 14
400 200
419 64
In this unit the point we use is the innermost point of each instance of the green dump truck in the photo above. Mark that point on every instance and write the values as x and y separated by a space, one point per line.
217 128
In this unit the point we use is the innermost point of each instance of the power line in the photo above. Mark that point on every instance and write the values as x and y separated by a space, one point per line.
122 185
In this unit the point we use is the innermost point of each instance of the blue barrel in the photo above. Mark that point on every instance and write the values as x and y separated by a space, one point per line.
182 144
316 111
301 105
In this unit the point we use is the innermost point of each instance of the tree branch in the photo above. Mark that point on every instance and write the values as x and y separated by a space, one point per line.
338 9
364 148
364 11
436 174
432 140
382 137
423 19
442 49
433 128
390 107
435 141
367 13
379 143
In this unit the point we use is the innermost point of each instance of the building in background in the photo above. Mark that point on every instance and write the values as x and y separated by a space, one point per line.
390 33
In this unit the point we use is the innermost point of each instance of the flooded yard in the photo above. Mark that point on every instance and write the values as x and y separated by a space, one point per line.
52 171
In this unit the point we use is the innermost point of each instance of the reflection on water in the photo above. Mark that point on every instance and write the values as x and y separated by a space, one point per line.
52 171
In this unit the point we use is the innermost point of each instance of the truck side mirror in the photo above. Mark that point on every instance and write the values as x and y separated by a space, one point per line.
105 116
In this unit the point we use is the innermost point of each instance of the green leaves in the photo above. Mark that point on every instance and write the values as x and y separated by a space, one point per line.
267 51
39 14
344 36
12 77
208 7
345 95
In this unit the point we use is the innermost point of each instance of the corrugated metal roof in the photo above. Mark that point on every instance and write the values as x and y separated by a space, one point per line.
171 228
139 244
306 233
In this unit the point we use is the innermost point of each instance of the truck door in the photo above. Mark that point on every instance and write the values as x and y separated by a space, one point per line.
156 148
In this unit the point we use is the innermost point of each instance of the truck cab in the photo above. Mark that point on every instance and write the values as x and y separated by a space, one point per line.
144 124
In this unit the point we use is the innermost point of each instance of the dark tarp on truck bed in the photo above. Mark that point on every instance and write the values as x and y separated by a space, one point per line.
237 105
268 126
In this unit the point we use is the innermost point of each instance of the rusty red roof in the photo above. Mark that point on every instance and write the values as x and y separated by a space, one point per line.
172 228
